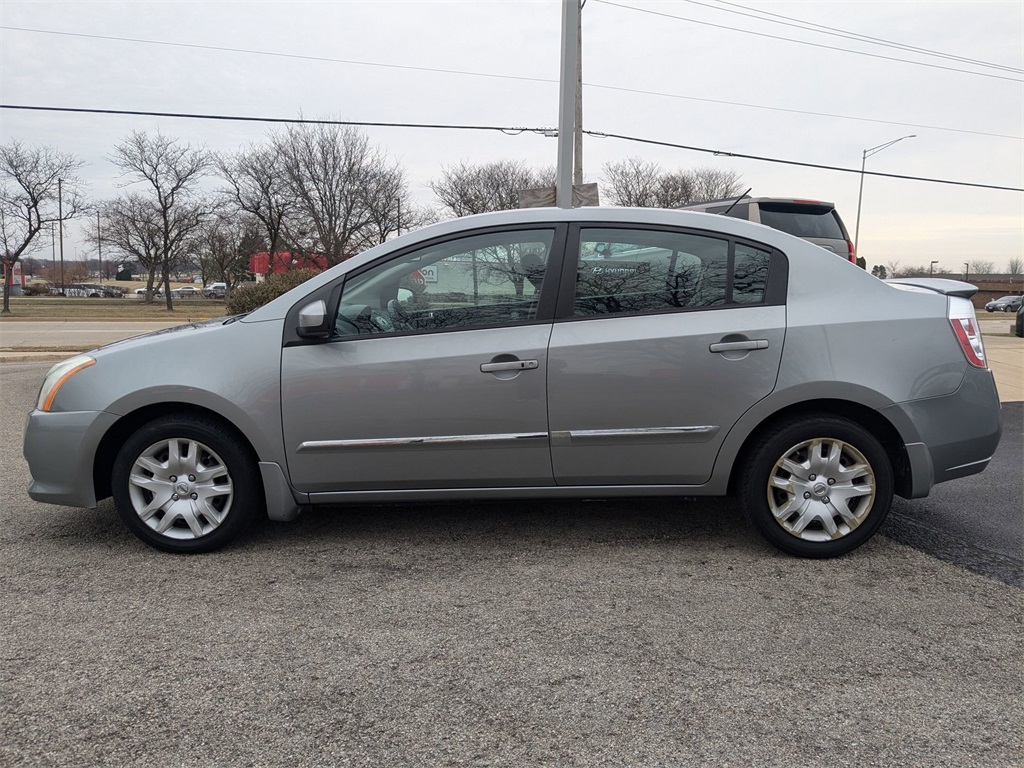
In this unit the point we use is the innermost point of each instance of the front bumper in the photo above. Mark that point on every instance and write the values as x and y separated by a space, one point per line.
60 449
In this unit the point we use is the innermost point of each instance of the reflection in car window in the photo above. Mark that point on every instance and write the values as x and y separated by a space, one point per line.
635 272
750 274
483 280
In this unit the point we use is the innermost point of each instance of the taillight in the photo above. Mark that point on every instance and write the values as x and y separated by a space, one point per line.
850 253
965 326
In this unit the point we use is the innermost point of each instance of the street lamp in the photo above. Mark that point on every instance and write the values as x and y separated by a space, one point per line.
868 153
931 267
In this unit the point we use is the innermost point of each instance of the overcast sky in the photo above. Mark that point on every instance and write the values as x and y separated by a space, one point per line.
673 71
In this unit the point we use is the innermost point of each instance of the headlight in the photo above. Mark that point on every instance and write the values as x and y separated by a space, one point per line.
56 377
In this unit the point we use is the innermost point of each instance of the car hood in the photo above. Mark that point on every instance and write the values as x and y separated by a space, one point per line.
175 331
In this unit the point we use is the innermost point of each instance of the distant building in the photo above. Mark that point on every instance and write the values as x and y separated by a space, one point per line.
259 263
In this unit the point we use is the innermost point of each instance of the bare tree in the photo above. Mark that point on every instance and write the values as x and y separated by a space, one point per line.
638 182
632 182
714 184
390 206
1015 266
893 268
982 267
31 180
131 226
258 185
171 172
673 190
335 175
225 244
466 189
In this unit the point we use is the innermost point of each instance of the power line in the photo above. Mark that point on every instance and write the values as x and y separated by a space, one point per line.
803 112
807 42
509 77
511 130
719 152
810 26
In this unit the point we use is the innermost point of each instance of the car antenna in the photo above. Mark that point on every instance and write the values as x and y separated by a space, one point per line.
726 211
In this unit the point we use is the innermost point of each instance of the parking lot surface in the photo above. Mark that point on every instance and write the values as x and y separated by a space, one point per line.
653 632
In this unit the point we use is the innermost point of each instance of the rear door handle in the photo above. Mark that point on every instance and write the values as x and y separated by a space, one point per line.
737 346
514 365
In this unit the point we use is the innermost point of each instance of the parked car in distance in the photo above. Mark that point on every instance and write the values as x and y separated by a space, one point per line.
157 293
186 292
215 290
588 353
1004 304
815 221
88 290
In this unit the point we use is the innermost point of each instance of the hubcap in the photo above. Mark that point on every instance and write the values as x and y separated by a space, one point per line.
821 489
180 488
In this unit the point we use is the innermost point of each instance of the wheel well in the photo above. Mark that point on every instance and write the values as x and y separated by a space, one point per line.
106 452
868 418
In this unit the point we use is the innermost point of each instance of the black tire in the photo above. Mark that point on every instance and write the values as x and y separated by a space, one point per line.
793 475
205 494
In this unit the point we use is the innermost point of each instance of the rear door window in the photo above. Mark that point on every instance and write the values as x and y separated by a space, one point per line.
633 271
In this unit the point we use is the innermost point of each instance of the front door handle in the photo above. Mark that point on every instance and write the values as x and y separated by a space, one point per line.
512 365
739 346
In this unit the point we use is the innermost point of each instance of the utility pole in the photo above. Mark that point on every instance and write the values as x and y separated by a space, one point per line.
577 170
567 102
60 219
99 245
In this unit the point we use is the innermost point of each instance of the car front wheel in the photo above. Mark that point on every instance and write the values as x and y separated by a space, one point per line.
817 486
185 484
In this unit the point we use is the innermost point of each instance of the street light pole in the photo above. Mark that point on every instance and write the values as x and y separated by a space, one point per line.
931 267
860 195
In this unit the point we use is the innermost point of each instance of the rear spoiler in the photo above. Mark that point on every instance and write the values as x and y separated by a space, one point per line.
936 284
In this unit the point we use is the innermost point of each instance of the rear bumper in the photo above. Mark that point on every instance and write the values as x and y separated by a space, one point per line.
956 434
60 449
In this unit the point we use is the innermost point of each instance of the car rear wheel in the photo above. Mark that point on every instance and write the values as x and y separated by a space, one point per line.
185 484
817 486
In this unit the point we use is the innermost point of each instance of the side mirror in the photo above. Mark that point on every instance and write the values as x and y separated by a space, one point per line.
313 321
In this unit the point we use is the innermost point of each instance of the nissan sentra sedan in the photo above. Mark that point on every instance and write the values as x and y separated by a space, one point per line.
542 353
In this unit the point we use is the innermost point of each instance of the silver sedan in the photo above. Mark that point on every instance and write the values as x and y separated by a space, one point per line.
530 354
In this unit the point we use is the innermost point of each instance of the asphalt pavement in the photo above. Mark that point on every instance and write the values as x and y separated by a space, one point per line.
642 633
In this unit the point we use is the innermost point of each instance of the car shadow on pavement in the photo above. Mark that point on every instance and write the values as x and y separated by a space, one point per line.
515 525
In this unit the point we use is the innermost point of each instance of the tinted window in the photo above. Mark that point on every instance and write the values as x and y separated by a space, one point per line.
802 220
640 272
482 280
750 274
